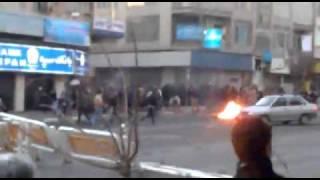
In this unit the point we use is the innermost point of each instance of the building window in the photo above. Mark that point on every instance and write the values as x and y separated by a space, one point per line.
318 8
279 44
22 5
145 28
186 28
41 7
103 5
140 4
262 43
243 31
136 4
264 15
244 5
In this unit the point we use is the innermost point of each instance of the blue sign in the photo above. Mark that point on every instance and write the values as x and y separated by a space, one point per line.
213 38
67 32
189 32
16 24
81 66
267 56
38 59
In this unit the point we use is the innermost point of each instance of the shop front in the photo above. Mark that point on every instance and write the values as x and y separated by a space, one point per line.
29 72
221 68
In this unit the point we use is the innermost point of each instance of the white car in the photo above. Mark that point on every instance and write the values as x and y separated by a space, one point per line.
283 109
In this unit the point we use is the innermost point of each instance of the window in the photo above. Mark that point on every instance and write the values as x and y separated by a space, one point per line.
264 15
295 101
280 102
136 4
266 101
262 43
22 5
103 4
244 6
41 7
318 8
145 28
280 40
243 31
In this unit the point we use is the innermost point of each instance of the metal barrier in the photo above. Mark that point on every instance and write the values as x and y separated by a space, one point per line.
94 147
151 169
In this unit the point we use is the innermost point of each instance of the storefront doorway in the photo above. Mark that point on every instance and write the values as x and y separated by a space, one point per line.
7 88
40 91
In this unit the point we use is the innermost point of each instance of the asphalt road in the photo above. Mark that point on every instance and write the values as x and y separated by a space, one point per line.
192 142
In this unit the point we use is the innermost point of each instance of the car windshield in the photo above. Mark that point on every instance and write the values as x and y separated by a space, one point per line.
266 101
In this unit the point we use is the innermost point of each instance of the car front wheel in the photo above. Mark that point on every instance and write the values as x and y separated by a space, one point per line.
304 119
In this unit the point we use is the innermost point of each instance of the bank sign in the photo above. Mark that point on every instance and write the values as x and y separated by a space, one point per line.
40 59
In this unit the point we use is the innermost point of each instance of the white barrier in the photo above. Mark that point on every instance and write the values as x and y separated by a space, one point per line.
90 146
173 171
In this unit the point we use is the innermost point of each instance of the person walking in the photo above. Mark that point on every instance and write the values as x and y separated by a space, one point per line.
98 108
3 107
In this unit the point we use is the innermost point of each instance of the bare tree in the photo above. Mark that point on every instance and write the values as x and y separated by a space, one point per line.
128 144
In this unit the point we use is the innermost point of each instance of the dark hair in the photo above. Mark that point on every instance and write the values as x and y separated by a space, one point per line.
250 138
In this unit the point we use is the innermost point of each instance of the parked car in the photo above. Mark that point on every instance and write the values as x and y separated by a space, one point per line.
283 109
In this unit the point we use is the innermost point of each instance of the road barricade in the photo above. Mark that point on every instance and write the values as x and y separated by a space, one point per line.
92 146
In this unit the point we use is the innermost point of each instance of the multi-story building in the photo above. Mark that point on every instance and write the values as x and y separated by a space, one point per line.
42 44
261 42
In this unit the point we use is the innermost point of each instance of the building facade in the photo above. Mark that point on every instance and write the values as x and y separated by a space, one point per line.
256 39
157 43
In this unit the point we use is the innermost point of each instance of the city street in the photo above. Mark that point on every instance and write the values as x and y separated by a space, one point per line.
192 142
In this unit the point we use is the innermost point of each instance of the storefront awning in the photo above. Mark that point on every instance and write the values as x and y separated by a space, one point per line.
221 60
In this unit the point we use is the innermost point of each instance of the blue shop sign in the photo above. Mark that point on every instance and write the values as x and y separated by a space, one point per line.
213 38
67 32
80 63
266 56
189 32
37 59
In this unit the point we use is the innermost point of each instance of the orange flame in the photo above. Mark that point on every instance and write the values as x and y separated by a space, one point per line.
230 112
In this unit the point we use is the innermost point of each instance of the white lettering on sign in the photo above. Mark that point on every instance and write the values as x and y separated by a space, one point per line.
44 61
7 61
14 63
113 26
3 52
14 52
23 62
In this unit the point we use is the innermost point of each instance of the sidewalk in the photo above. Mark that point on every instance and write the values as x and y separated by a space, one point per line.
165 115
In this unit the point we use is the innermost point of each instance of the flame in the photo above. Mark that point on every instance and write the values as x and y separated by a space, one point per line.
231 111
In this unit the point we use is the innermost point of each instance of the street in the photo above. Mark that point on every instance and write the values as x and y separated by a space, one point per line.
198 143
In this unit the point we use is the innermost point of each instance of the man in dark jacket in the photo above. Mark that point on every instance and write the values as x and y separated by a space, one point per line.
3 107
251 139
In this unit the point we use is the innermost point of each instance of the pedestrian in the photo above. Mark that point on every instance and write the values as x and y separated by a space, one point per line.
151 104
194 96
3 107
98 108
175 103
251 140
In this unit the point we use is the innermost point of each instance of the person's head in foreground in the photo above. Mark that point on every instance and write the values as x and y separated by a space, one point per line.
251 139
